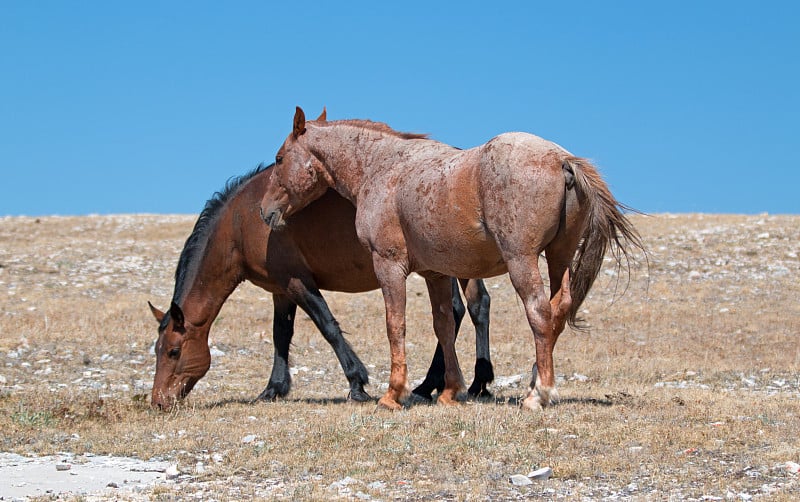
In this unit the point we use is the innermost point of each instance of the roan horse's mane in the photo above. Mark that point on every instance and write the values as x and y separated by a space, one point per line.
374 126
198 239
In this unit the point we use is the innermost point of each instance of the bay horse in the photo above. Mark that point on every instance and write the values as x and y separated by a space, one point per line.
319 250
427 207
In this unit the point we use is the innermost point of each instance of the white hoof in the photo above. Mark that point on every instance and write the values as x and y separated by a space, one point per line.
540 397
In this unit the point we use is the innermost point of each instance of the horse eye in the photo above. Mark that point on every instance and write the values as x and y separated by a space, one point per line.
174 353
278 159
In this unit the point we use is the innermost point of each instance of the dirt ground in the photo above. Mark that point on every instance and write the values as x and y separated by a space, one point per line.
687 387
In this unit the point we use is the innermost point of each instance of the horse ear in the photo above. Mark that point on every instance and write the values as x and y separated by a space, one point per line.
299 123
323 117
177 315
156 313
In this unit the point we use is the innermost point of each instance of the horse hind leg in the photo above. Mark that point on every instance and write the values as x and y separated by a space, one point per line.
525 276
440 292
478 305
434 378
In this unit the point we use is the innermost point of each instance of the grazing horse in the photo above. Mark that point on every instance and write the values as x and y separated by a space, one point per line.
426 207
231 244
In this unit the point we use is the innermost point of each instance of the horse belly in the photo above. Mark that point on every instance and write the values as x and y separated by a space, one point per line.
454 244
442 220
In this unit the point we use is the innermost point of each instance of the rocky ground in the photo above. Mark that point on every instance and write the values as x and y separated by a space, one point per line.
688 387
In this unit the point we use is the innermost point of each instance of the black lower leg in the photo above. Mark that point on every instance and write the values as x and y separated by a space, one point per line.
280 380
355 371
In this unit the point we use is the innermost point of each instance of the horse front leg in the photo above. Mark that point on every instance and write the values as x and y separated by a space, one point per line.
311 301
440 292
392 278
280 380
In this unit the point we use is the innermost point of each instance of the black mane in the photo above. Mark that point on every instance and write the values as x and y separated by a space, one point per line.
197 240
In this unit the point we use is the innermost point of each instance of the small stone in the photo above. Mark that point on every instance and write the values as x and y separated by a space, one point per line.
249 439
342 484
541 474
792 467
112 485
63 467
520 480
172 471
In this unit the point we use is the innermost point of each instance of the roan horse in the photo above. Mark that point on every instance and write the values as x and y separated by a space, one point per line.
427 207
231 244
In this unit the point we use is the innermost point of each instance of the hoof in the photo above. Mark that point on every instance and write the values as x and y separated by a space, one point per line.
426 388
389 404
269 394
420 393
415 399
479 390
359 396
539 398
446 401
451 397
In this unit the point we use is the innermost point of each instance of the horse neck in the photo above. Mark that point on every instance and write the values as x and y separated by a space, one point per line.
352 154
212 275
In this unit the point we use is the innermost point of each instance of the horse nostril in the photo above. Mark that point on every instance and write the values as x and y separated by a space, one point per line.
267 217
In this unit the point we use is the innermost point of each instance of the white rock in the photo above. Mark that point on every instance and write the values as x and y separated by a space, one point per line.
172 471
216 352
520 480
343 483
541 474
793 467
508 381
249 439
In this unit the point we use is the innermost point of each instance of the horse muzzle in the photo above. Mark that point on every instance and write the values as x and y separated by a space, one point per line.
273 218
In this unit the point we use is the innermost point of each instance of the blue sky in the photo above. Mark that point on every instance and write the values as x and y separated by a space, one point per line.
149 107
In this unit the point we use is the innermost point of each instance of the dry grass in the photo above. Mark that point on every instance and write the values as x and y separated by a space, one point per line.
687 386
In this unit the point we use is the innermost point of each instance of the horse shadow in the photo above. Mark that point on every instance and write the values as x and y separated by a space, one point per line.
414 401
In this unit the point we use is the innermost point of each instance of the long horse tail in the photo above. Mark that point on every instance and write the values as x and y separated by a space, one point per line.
605 228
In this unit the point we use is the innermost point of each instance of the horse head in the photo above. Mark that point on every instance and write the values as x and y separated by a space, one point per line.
182 357
298 177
